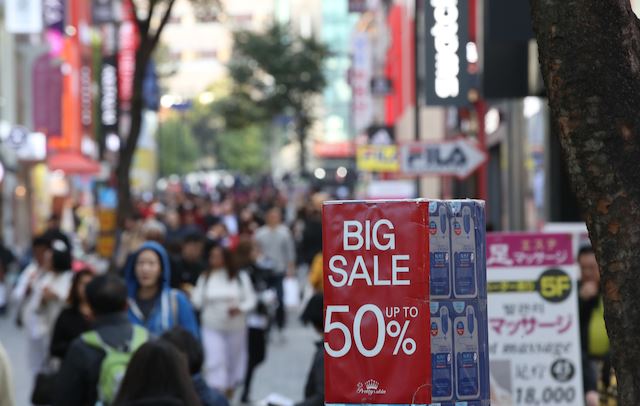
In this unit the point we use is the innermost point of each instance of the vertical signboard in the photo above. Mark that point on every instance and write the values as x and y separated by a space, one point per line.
533 320
107 204
47 88
377 344
54 16
447 35
361 74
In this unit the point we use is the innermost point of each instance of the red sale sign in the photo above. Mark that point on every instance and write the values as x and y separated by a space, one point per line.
376 296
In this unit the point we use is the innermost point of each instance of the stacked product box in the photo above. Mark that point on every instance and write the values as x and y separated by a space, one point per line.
458 302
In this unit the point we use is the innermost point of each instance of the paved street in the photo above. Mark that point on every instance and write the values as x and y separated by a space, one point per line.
284 371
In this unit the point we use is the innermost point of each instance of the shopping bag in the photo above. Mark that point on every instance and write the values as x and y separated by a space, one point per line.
291 289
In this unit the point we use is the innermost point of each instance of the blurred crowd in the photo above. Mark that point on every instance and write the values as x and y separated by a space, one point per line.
197 288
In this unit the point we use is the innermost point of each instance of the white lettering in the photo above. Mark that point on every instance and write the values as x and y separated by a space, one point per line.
109 102
337 270
396 269
347 234
376 274
446 43
364 274
390 237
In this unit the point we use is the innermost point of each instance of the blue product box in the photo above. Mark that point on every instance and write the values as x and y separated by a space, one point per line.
442 355
440 279
468 236
471 352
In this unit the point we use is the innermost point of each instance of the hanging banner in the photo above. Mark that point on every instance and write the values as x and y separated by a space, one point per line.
534 326
109 96
447 34
361 75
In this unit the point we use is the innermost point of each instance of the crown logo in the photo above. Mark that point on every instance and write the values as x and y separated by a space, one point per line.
371 384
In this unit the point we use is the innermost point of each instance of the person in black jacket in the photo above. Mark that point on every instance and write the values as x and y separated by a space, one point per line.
190 264
78 377
75 319
314 389
259 320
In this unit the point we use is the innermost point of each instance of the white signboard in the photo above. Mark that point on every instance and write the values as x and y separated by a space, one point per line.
23 16
361 73
457 157
534 326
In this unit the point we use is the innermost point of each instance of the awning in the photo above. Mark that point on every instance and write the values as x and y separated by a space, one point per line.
73 163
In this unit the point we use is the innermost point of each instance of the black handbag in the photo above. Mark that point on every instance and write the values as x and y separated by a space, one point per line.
44 387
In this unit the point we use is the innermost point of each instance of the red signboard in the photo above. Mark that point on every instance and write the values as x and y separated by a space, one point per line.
376 296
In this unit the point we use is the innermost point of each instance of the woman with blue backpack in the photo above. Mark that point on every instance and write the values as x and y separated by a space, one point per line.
153 304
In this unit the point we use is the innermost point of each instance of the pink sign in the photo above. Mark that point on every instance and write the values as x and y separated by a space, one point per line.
505 250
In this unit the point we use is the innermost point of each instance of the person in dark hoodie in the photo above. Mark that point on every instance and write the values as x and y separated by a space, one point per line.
314 389
168 385
152 302
78 379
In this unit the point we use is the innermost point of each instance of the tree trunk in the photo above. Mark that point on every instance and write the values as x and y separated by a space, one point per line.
128 146
590 60
302 124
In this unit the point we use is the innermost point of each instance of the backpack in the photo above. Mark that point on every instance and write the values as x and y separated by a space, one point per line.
114 364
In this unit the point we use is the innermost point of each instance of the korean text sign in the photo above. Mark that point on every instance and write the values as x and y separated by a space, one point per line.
376 261
534 341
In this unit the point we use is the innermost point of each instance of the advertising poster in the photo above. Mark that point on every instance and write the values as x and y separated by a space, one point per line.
406 303
377 344
534 337
377 158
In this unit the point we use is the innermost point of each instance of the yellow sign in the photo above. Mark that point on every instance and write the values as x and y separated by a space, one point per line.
377 158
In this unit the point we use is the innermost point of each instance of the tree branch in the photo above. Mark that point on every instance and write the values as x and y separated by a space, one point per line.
163 23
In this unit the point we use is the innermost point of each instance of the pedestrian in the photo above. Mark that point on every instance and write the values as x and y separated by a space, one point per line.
224 296
7 259
53 231
593 332
76 318
314 388
316 273
6 381
130 239
91 369
258 320
36 267
168 385
46 289
152 302
277 251
192 349
189 265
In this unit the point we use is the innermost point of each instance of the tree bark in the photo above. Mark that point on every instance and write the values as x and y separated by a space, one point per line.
303 123
590 60
128 146
148 42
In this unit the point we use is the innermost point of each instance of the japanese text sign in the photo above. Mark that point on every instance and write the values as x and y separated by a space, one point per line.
376 261
534 339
